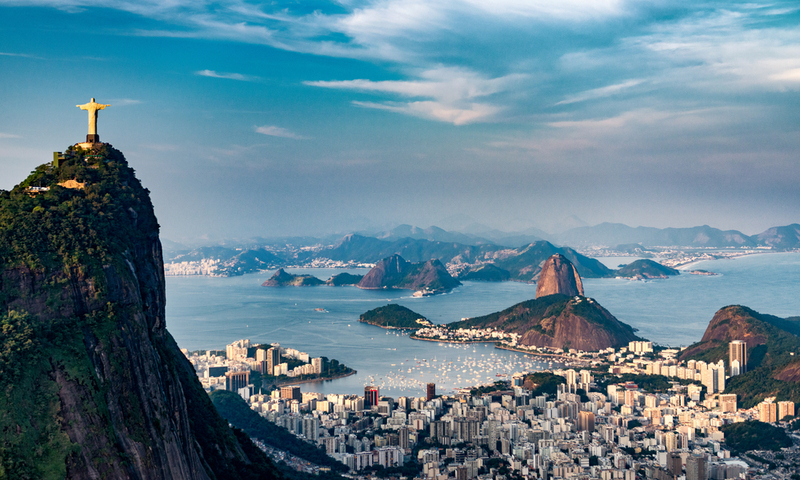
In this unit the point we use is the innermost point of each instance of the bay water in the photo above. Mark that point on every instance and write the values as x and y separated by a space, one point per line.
208 313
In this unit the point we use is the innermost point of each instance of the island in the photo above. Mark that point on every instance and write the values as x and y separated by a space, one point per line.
646 269
281 278
395 316
396 272
344 279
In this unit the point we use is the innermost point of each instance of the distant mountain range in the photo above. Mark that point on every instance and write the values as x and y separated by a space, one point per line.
465 253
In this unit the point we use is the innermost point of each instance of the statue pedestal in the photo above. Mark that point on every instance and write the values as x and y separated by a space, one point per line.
88 145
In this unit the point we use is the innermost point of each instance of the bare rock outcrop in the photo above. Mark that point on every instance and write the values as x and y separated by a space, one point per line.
558 276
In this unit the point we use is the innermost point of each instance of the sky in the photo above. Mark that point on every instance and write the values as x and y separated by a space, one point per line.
248 118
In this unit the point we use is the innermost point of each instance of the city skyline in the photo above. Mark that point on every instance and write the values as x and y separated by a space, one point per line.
245 119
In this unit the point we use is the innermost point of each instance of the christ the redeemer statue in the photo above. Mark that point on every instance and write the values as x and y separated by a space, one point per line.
92 107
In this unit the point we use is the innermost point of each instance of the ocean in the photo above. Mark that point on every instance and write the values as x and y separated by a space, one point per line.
208 313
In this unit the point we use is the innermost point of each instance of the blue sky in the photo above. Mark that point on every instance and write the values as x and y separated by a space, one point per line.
285 118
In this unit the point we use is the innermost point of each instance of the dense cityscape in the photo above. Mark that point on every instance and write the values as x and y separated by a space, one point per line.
586 423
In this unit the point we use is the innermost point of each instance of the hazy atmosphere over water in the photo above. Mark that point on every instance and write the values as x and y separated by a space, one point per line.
282 118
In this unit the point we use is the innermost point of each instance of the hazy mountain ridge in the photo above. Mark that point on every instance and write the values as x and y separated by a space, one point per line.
464 253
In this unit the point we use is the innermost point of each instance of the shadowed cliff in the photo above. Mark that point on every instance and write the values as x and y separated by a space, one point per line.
93 385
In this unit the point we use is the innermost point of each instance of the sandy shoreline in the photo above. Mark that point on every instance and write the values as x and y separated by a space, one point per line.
689 265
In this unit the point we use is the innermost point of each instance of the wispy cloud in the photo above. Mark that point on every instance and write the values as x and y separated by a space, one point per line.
124 102
8 135
275 131
451 94
21 55
227 75
599 92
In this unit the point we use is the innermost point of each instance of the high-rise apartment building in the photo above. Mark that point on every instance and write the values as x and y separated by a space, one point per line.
292 393
237 350
767 412
430 392
737 350
273 359
236 380
317 364
675 464
696 467
586 421
785 408
370 396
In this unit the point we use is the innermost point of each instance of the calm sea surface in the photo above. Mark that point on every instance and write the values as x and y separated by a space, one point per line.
208 313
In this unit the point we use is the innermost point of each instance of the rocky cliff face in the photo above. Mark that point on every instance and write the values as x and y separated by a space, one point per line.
395 272
558 276
93 385
558 321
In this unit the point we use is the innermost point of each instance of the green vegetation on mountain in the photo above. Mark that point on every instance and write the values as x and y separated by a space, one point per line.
753 435
233 408
281 278
342 279
394 316
645 268
485 273
648 383
557 321
543 383
772 369
91 383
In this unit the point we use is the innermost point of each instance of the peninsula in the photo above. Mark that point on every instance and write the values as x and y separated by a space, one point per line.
395 316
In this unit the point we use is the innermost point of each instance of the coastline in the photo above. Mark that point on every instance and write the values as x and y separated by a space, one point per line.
388 327
414 337
684 267
562 358
314 380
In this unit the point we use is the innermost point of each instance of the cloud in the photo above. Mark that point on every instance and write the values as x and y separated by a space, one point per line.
274 131
124 102
599 92
8 135
474 112
228 76
451 94
22 55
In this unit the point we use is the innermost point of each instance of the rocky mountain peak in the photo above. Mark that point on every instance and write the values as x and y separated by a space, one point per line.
558 275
